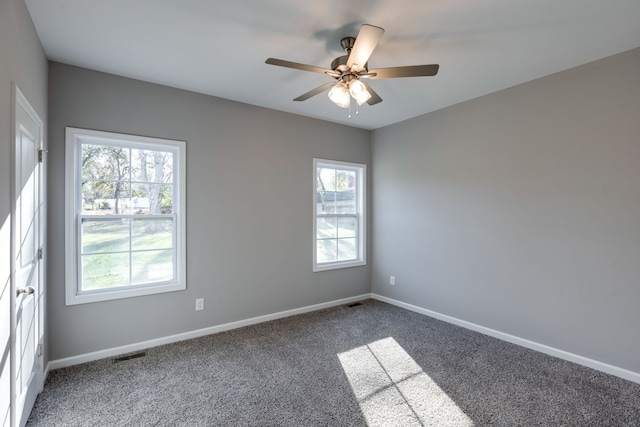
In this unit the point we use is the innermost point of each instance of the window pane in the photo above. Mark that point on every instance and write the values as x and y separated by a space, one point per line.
152 166
103 162
326 228
88 199
326 179
105 271
326 190
345 180
347 227
155 199
346 191
346 202
108 235
152 266
327 250
152 234
166 199
347 249
326 202
106 198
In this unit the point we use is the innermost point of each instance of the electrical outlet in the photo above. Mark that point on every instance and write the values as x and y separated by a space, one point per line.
392 280
199 304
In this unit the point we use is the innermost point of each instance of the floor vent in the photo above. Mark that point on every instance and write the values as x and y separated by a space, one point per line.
129 357
355 304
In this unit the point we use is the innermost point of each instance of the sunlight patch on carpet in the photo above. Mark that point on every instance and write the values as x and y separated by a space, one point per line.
392 389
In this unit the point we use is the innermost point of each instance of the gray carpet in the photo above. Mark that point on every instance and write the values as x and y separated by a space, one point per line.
372 364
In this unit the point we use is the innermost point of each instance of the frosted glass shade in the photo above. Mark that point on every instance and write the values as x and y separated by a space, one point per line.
339 94
359 92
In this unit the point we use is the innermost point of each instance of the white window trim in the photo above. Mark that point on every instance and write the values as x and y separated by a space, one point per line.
361 173
72 195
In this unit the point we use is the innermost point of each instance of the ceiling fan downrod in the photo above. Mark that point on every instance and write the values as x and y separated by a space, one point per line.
347 43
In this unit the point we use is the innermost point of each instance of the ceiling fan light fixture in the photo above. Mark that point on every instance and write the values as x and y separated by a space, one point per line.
359 92
339 94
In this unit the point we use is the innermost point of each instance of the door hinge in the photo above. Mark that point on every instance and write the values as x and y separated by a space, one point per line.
40 155
39 350
39 253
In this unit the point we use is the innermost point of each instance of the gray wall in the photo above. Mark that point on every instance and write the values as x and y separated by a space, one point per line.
520 211
517 211
249 208
22 61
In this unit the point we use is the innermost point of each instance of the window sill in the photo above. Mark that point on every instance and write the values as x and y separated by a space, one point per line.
337 265
89 297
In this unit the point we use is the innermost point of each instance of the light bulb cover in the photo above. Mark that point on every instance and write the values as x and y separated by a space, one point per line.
339 94
359 92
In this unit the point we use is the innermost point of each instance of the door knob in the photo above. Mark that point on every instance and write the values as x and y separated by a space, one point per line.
27 291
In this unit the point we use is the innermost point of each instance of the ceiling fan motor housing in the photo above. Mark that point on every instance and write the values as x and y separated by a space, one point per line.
339 65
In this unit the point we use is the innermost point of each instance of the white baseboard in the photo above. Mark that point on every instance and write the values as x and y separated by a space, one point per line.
115 351
561 354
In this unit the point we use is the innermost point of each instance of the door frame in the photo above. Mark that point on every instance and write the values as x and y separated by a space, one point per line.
19 99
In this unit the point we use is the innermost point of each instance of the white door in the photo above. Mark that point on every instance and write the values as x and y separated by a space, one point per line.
26 352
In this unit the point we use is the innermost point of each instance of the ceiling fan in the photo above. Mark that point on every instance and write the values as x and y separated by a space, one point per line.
352 69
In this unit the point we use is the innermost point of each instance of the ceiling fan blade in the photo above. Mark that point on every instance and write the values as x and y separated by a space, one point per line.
375 98
367 40
408 71
315 91
297 66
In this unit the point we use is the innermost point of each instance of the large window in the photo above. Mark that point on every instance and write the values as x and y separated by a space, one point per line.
339 215
125 226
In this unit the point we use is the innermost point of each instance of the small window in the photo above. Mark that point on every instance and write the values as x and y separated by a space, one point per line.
125 226
339 215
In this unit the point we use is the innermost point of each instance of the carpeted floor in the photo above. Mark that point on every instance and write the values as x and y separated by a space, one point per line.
372 364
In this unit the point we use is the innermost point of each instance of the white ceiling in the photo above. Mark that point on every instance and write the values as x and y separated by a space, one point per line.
218 47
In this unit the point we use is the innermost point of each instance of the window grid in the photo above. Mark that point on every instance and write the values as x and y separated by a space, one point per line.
130 250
